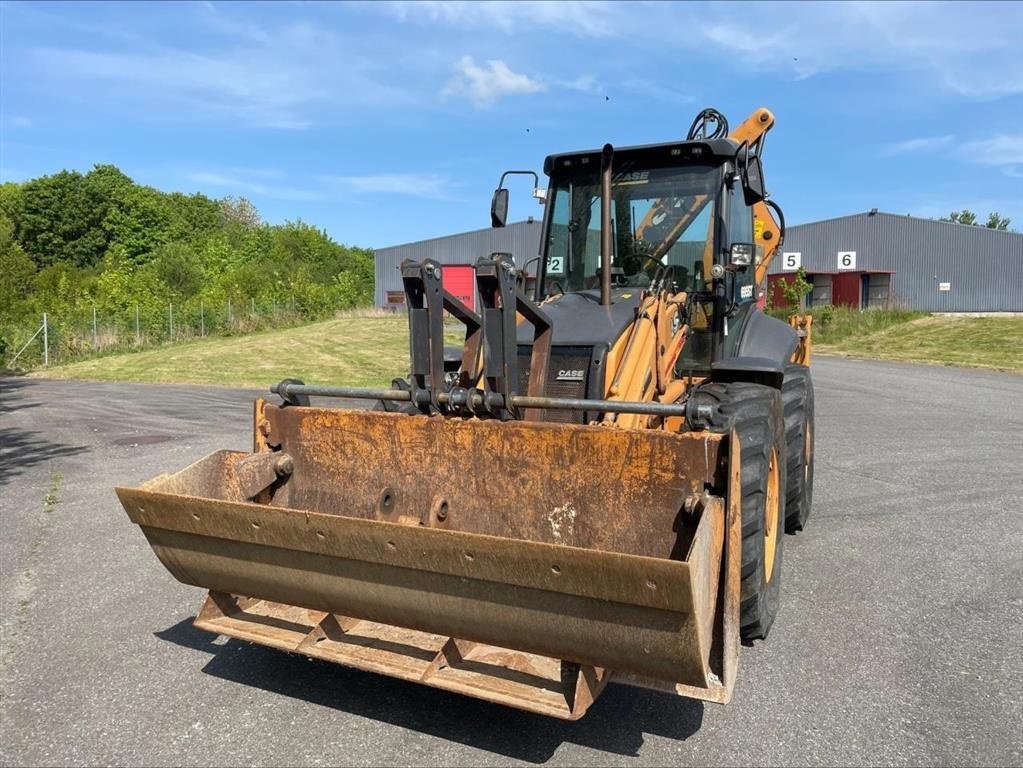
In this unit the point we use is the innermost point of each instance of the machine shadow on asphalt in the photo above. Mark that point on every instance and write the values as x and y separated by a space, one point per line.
615 724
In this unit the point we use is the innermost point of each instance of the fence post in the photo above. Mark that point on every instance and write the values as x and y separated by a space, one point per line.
46 340
275 306
138 336
253 305
202 318
170 320
229 318
95 341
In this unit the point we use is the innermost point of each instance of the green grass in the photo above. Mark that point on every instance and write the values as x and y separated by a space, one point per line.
369 349
981 342
836 325
365 349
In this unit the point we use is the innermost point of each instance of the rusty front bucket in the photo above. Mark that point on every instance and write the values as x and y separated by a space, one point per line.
522 563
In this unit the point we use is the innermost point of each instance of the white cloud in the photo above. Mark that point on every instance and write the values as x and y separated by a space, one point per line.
484 85
971 49
1003 149
922 144
583 84
580 19
238 85
251 187
431 186
261 183
283 78
655 90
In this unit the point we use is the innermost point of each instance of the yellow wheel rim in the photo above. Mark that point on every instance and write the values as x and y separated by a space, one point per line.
771 516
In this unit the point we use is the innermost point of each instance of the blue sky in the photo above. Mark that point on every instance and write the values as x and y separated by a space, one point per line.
390 122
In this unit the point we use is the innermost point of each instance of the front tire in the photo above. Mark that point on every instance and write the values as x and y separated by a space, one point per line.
755 411
797 400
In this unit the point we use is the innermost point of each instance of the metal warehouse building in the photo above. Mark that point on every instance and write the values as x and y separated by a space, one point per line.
864 260
882 259
458 253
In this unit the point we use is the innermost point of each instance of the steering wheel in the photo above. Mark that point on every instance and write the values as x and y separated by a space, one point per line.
635 263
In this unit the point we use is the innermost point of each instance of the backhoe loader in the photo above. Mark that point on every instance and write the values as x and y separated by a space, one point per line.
593 488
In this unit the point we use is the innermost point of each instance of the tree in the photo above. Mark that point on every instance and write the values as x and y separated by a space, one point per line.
965 216
16 272
178 268
994 221
72 242
137 220
795 291
59 218
238 210
962 217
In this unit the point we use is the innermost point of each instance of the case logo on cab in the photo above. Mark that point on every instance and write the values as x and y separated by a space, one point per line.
570 375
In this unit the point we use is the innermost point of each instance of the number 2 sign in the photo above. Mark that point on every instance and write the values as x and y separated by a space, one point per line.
847 259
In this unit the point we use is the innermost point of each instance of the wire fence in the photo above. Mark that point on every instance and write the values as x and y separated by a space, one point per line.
62 337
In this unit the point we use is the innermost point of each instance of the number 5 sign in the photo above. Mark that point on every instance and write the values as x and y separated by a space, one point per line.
847 259
791 261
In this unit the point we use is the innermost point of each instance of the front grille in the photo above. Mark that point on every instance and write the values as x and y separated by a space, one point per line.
562 359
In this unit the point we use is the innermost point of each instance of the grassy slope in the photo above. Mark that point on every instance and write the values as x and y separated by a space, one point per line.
371 350
988 342
356 351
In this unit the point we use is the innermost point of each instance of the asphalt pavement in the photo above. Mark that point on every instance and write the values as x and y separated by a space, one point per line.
899 639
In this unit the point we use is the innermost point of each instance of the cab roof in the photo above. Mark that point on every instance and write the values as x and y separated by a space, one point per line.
709 152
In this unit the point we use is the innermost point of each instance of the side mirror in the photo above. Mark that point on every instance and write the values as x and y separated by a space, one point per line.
753 181
499 208
741 254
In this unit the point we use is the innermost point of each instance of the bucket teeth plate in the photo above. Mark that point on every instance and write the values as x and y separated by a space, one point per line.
524 680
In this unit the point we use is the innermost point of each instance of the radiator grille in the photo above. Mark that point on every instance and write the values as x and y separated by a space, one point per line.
562 359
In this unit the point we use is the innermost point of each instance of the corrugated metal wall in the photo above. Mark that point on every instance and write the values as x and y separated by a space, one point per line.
983 267
521 239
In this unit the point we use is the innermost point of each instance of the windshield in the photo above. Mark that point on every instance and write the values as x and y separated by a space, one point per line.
659 216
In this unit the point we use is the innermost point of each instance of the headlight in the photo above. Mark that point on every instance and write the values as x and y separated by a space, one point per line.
742 254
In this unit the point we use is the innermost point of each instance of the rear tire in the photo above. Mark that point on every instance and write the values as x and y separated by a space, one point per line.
797 400
755 411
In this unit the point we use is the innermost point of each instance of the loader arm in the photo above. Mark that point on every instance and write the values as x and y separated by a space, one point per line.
642 362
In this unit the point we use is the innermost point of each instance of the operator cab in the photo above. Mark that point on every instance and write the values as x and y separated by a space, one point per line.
678 205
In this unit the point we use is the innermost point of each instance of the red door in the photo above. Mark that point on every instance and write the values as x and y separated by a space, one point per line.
460 281
845 289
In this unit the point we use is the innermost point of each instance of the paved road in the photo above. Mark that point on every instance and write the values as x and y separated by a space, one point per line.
898 642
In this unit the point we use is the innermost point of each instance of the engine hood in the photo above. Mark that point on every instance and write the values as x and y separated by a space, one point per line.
580 320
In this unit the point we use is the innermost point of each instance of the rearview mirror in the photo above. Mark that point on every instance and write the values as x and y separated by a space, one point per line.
499 208
753 181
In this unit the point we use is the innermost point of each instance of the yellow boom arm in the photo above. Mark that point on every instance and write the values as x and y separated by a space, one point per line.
766 231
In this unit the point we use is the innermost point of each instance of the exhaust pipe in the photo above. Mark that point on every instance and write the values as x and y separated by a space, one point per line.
606 156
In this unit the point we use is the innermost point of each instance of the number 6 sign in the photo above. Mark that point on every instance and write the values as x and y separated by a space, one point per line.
847 259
